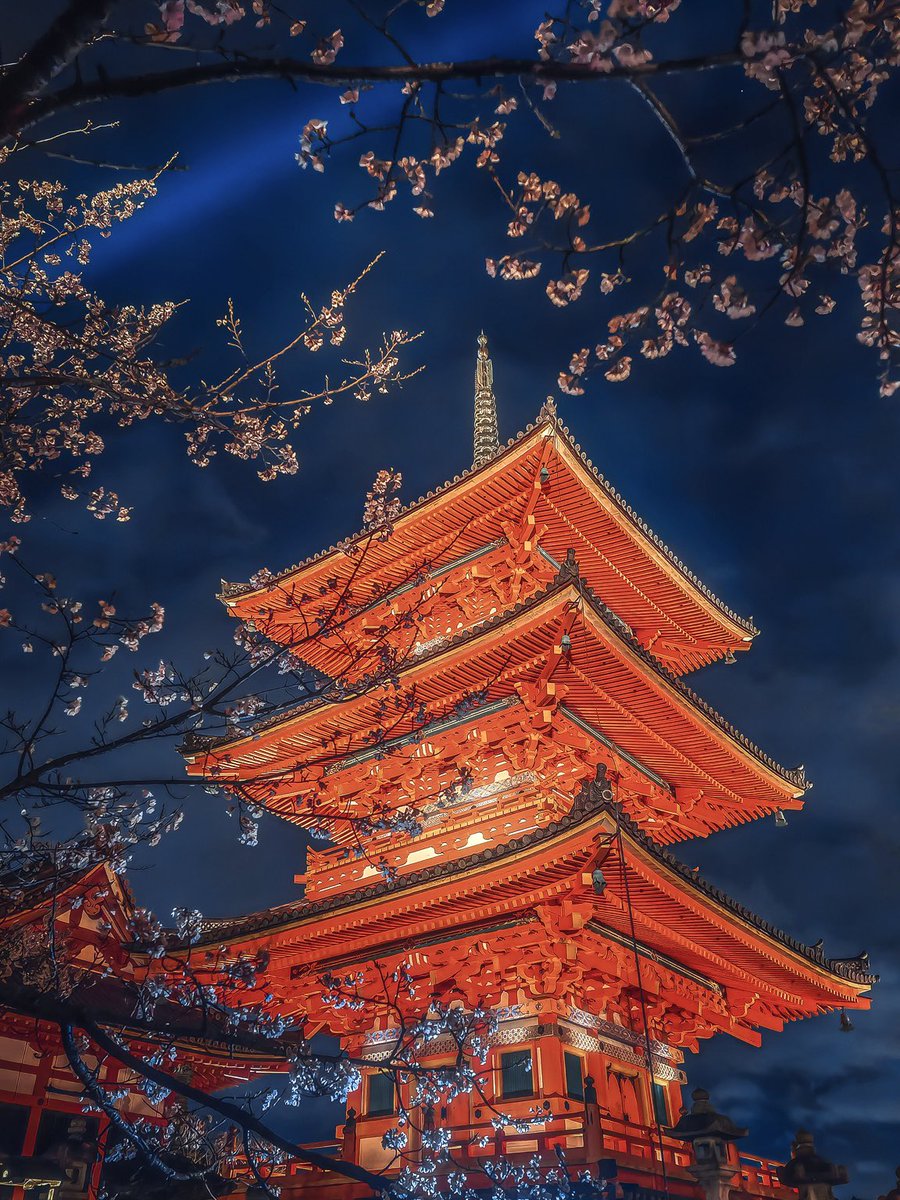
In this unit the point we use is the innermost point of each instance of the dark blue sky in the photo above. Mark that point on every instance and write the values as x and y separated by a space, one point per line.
775 481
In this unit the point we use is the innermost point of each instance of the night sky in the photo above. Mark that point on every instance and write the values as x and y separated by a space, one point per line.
775 481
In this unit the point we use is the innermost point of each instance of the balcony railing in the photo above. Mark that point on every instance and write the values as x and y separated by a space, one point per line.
759 1172
621 1137
630 1143
286 1170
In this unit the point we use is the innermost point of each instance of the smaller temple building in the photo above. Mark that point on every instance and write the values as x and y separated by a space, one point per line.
70 935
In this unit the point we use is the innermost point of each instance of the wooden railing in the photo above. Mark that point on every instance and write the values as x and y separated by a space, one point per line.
286 1170
642 1141
621 1140
759 1172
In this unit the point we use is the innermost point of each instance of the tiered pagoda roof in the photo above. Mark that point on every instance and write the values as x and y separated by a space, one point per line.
512 638
702 774
541 496
651 904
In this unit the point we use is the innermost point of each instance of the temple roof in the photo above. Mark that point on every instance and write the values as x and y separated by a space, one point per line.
608 661
106 983
28 890
623 559
593 810
201 1035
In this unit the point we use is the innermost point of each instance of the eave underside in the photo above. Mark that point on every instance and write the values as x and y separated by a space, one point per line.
624 561
606 680
764 976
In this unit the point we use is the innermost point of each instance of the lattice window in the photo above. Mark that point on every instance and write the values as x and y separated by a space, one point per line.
516 1074
574 1066
380 1097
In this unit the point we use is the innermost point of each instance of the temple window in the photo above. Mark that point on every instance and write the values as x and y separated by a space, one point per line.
658 1095
574 1068
516 1077
380 1100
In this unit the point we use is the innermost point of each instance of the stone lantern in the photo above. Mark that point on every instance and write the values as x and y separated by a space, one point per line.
808 1172
711 1136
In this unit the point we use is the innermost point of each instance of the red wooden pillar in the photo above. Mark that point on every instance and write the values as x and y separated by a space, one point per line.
41 1080
548 1047
593 1136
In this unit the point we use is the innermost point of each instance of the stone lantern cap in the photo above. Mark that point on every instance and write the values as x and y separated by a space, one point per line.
808 1166
704 1122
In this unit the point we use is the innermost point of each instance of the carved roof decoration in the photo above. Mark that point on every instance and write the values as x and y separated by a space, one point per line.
547 418
594 800
567 576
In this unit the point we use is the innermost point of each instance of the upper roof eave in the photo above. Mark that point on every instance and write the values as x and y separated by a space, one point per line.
232 591
547 419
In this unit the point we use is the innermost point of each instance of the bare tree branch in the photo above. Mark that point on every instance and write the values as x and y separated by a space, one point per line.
55 50
298 71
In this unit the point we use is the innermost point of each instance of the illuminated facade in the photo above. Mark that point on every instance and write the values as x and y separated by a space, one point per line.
540 730
52 1138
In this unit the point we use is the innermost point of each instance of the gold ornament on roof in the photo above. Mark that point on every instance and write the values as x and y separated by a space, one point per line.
486 439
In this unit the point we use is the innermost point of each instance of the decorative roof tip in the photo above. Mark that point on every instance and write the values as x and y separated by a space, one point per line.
486 439
548 410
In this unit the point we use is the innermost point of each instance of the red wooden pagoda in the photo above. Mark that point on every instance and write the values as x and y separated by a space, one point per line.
553 751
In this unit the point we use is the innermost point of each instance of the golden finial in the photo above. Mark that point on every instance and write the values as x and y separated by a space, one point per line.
486 440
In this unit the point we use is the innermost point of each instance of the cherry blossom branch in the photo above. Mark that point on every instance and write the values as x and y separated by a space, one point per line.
232 1112
299 71
89 1081
60 375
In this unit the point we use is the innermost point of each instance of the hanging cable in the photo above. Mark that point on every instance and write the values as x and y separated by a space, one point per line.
637 957
641 994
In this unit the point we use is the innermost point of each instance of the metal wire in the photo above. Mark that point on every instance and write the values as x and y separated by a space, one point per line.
641 992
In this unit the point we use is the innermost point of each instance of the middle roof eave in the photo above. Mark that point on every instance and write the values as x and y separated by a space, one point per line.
466 653
779 959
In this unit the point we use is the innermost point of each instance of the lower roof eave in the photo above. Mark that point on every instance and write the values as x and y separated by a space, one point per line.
844 980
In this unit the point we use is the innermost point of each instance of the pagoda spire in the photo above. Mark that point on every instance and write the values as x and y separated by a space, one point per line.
486 441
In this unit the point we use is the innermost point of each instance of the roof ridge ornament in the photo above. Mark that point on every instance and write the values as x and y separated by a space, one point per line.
486 439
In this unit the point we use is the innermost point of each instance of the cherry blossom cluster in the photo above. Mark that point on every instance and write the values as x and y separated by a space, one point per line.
70 360
383 504
803 75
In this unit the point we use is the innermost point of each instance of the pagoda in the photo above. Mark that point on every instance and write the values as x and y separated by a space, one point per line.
536 722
